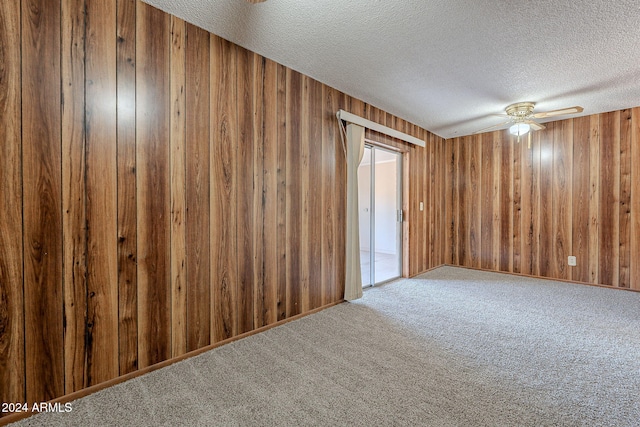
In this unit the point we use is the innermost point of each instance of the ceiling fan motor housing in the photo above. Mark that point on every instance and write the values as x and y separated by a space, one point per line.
520 111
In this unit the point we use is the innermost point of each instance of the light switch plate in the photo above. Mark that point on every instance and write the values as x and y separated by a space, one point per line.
421 206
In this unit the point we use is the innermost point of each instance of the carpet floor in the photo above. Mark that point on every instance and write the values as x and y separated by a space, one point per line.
452 347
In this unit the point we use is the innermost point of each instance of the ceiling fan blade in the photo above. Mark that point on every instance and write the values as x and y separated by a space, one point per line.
561 112
534 125
499 125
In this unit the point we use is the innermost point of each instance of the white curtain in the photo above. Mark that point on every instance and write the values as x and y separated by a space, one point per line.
355 151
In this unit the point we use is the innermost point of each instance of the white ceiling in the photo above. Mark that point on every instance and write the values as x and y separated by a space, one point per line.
445 65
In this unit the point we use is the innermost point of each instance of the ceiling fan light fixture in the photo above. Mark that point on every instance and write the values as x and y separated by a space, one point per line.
519 129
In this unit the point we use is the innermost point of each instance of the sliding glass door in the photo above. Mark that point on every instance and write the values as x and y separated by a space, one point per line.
380 215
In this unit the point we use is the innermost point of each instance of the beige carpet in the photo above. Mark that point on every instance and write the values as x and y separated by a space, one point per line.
453 347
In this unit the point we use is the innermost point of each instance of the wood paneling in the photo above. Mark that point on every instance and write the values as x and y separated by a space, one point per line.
506 206
625 198
164 189
562 193
126 185
608 212
12 363
153 184
41 189
580 193
294 205
634 246
245 203
594 196
475 174
572 193
281 109
486 207
74 218
178 178
257 190
517 206
198 188
314 186
224 184
270 198
327 194
101 333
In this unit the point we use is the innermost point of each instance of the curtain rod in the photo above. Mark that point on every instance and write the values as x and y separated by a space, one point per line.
352 118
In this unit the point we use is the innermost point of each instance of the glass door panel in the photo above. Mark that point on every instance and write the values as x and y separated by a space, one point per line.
380 207
364 206
387 227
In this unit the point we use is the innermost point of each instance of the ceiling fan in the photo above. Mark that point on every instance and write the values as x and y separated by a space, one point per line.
522 116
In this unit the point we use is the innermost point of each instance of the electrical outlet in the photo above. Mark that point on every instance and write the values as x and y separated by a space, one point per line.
421 206
572 261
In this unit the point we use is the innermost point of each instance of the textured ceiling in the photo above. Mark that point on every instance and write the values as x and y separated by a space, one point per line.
445 65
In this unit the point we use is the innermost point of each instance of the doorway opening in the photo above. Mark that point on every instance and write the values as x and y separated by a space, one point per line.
380 215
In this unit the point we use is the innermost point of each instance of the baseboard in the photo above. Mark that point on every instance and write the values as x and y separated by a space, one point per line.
427 270
575 282
92 389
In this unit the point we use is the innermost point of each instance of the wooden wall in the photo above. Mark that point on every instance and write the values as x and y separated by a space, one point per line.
162 190
575 192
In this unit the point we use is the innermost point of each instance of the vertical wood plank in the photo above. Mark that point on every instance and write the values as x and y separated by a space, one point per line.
516 154
634 245
580 197
450 201
486 238
475 215
406 207
497 219
177 142
246 285
224 182
562 200
74 220
294 192
433 201
609 216
546 200
416 224
506 206
594 199
101 187
258 190
198 171
464 208
270 193
127 195
438 190
420 235
527 203
42 181
536 155
428 177
153 184
12 363
304 119
314 194
625 198
328 183
281 117
415 247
